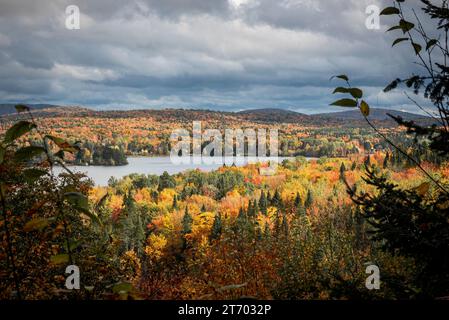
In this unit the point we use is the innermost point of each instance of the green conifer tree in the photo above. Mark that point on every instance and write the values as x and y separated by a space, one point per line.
263 203
309 200
187 222
342 172
216 229
175 202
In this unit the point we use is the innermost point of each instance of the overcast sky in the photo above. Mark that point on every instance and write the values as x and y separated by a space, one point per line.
216 54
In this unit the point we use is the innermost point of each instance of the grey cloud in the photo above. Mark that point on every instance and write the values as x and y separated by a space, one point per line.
193 53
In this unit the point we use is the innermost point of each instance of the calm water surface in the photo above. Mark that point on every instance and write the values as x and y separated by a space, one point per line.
143 165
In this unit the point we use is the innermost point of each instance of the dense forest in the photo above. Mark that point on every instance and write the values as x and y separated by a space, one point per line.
196 235
106 138
376 196
225 234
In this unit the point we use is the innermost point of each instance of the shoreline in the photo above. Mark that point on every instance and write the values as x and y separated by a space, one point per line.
192 160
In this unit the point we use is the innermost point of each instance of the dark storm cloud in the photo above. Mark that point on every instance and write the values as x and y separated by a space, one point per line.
225 54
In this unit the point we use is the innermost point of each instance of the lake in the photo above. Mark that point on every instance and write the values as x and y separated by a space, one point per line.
147 165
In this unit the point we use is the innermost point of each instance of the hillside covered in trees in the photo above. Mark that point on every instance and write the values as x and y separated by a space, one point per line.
366 219
107 137
221 235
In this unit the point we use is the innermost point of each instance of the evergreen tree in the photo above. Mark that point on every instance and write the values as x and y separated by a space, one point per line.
263 203
309 200
155 196
140 236
342 171
267 231
242 225
250 209
166 181
284 225
387 158
216 228
242 215
132 227
175 202
187 222
299 207
277 201
256 208
277 224
259 234
297 200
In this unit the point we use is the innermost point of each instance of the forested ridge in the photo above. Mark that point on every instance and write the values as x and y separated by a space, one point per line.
107 137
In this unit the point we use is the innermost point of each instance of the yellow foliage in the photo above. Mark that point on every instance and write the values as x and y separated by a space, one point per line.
95 194
156 245
130 265
115 201
166 196
201 224
143 196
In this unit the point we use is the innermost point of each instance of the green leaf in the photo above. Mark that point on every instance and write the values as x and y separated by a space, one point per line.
345 103
389 11
412 81
22 108
2 190
394 28
393 85
33 174
101 202
60 154
60 258
406 26
356 93
364 108
18 130
81 204
343 77
89 288
27 153
36 224
122 287
431 44
2 154
77 199
340 90
73 245
399 40
62 144
417 47
423 188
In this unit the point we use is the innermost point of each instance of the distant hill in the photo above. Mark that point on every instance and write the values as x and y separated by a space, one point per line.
10 109
272 115
351 117
41 110
375 114
269 111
